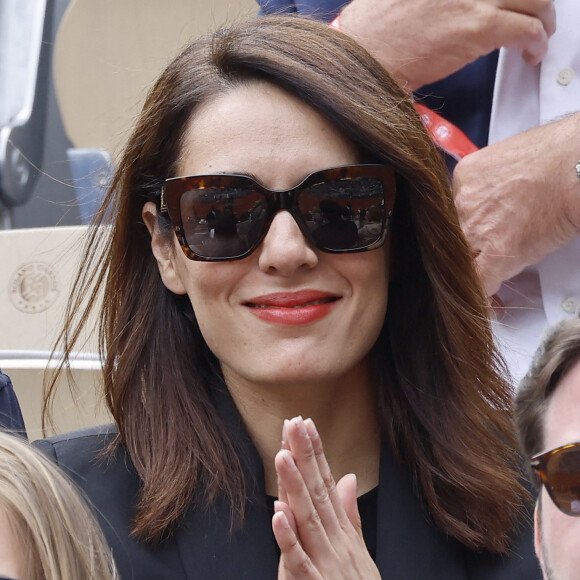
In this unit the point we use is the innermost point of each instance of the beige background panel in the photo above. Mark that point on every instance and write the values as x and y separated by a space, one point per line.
37 271
109 52
72 410
38 266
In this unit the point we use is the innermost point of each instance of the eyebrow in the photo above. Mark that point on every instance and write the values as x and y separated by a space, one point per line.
243 173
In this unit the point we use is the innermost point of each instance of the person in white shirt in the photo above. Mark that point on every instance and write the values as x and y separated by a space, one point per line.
519 197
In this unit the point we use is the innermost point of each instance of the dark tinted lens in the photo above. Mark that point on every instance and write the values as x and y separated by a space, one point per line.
563 479
344 214
222 222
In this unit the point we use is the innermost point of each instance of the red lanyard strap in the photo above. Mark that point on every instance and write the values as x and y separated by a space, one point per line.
446 135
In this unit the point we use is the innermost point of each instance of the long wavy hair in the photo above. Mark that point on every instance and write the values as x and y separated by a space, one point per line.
443 399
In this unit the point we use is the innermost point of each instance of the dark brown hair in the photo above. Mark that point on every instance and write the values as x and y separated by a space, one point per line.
559 350
444 403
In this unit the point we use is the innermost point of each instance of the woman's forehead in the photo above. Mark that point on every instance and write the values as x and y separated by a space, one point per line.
265 131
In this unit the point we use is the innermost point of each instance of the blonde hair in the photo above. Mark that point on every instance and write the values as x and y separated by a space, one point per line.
57 534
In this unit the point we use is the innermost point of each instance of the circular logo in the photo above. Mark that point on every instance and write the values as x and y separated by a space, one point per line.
33 287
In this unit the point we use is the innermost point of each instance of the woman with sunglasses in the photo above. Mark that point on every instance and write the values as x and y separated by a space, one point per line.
245 301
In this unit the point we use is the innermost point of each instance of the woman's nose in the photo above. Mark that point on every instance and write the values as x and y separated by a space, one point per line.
285 249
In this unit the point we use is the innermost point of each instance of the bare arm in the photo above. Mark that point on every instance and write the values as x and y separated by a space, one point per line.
519 199
421 41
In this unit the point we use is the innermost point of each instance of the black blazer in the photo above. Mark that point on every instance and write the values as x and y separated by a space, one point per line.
10 415
409 546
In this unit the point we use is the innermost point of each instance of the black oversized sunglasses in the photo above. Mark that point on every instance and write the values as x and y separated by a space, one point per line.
559 470
226 217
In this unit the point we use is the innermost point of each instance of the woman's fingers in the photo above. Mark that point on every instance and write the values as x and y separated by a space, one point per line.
343 495
318 527
284 444
307 451
311 531
294 561
282 495
280 506
346 490
325 471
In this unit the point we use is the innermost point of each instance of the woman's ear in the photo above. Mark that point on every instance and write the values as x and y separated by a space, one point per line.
538 532
163 251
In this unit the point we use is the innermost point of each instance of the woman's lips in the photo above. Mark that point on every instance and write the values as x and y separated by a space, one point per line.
292 308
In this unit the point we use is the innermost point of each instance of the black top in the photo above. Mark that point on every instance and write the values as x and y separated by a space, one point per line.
408 545
10 414
367 508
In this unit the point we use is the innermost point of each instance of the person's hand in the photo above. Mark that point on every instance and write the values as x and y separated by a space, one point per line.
518 200
421 41
316 522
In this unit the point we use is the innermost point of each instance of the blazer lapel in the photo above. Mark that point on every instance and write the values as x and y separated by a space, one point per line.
408 544
207 547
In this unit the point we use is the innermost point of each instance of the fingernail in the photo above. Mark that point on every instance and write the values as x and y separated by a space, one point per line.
288 459
284 431
311 428
299 422
283 519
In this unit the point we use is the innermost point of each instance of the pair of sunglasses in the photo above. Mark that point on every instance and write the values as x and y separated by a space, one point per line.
226 217
559 470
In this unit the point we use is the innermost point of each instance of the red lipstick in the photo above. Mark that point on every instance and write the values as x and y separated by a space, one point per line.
292 308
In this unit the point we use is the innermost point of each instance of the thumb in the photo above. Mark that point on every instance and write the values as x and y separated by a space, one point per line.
346 489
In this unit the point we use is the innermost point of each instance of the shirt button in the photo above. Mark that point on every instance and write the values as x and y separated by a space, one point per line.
570 305
565 76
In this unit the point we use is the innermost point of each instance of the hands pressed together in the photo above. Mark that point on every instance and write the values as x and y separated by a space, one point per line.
316 521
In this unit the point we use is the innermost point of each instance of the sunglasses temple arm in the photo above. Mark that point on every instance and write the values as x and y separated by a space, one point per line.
163 203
